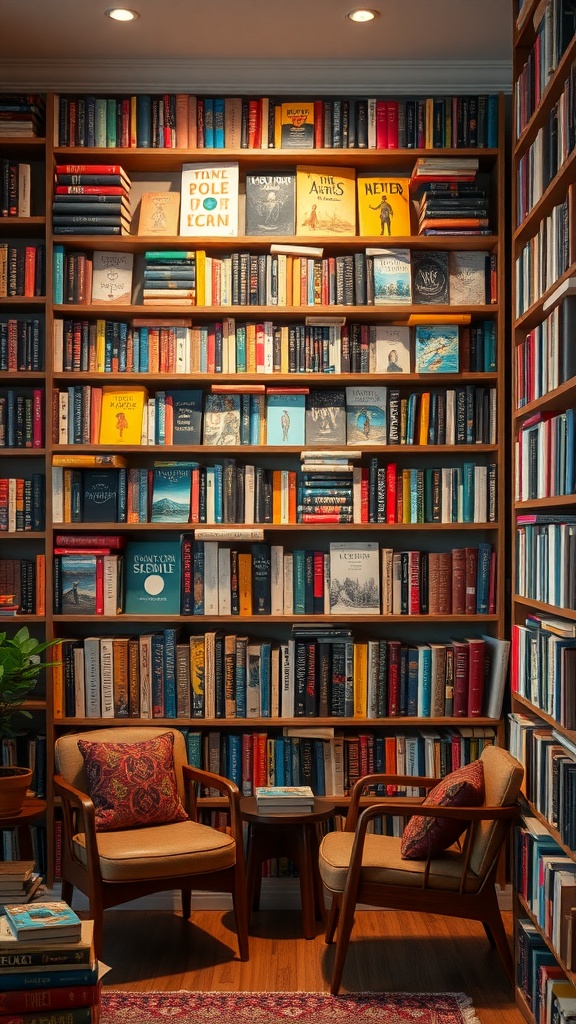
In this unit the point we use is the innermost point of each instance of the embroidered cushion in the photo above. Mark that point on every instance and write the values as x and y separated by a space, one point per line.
462 788
133 783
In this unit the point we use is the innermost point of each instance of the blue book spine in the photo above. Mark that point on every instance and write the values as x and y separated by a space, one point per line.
160 417
144 350
279 762
58 274
492 122
413 495
90 121
241 348
143 496
111 123
288 761
265 683
235 759
198 570
194 749
296 766
319 773
170 673
123 348
56 977
240 687
483 578
108 345
122 495
218 493
412 683
219 122
143 121
135 365
254 419
425 680
245 419
299 575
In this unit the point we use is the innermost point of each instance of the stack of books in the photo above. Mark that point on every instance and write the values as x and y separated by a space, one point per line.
91 199
325 494
450 199
18 881
21 116
47 960
284 799
169 277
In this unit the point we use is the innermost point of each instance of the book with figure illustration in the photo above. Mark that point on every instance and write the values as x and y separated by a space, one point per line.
121 415
112 277
270 204
159 213
286 418
366 415
297 125
354 578
222 419
325 200
383 205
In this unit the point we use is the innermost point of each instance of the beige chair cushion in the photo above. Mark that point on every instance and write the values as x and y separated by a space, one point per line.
383 863
503 776
182 848
70 763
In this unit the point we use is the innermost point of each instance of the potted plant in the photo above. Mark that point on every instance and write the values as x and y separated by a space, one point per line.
20 666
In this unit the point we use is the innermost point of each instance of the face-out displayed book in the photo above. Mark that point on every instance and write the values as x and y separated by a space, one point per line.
222 419
152 573
112 277
436 348
430 277
366 415
297 125
285 418
354 578
383 205
100 495
392 277
78 584
171 491
326 418
467 271
392 346
121 415
186 405
159 213
270 204
325 200
209 199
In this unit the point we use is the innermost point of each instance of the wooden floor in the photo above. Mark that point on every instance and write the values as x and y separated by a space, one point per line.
157 950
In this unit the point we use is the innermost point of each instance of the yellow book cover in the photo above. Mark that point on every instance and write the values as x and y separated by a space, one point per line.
245 583
159 213
297 125
325 200
197 665
405 495
100 347
360 680
424 417
121 415
383 205
200 277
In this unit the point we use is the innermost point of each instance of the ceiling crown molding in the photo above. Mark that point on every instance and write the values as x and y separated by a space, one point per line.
332 77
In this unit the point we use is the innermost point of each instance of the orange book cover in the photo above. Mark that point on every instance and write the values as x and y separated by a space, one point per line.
292 489
121 417
159 213
40 584
383 204
182 121
325 200
424 417
245 583
57 681
276 496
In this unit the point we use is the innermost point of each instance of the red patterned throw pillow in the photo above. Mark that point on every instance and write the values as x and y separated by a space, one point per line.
132 783
422 835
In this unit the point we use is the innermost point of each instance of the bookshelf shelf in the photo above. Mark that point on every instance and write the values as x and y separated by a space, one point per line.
382 314
254 620
275 379
280 723
269 527
262 449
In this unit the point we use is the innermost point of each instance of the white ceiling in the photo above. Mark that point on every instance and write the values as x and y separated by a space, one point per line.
56 34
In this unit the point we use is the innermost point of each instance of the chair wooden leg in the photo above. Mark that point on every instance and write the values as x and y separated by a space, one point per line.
493 926
186 896
489 935
345 926
333 915
240 904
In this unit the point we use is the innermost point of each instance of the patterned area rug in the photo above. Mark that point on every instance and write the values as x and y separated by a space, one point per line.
283 1007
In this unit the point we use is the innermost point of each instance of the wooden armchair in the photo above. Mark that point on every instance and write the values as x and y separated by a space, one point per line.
361 867
113 867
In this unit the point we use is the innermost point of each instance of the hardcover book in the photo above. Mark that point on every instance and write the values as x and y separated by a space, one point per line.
392 278
152 572
43 920
354 578
222 419
467 278
436 348
159 212
112 277
366 416
325 200
78 584
186 416
209 199
326 418
297 125
121 415
430 277
100 495
270 204
285 419
392 349
171 489
383 205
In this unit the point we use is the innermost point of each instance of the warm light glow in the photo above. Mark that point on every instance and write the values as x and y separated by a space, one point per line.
121 14
363 15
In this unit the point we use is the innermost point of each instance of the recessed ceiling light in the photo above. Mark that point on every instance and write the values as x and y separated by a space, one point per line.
363 15
121 14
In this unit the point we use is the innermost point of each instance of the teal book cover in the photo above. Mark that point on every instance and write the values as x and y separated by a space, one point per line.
392 277
286 419
436 348
152 577
78 584
171 490
366 415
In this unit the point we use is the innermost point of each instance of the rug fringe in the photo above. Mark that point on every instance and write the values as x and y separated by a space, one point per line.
466 1007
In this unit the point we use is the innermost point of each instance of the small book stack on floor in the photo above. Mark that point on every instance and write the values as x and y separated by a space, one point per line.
284 800
18 881
47 965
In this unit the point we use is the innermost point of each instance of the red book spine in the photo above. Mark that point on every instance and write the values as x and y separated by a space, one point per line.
38 418
476 671
392 140
89 169
91 190
99 585
29 269
247 760
39 1000
318 576
471 575
259 772
393 678
414 583
381 124
93 540
461 668
391 469
364 495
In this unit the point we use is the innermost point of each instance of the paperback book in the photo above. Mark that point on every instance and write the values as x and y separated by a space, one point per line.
436 348
78 584
43 921
325 200
297 125
430 277
392 277
186 407
383 205
354 578
285 419
326 418
467 278
121 415
112 277
209 199
152 570
159 213
171 489
366 415
392 349
270 204
222 419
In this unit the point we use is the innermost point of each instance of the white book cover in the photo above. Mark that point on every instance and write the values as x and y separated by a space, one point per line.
110 566
57 494
107 677
288 584
92 676
63 417
287 670
249 494
209 199
467 271
112 277
224 590
389 348
79 690
23 190
209 675
277 579
210 578
354 578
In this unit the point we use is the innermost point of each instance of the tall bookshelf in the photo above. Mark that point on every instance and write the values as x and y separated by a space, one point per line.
143 164
542 728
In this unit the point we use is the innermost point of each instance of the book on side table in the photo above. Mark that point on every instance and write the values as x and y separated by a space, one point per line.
283 799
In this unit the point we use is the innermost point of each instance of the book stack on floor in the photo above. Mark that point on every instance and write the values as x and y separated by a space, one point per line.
284 799
169 277
18 881
91 199
47 965
450 200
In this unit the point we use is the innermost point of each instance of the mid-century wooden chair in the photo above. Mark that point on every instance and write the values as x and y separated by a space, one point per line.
113 867
361 867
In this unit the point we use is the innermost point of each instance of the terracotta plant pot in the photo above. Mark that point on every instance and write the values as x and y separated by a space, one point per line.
14 784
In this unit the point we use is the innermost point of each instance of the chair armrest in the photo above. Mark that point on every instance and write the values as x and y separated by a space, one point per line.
382 779
79 816
224 786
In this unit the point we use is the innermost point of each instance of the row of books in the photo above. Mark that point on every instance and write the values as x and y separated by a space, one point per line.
546 559
22 269
550 764
75 193
22 418
269 416
330 766
186 121
22 115
21 343
27 749
320 672
15 185
543 659
547 882
374 277
22 586
207 578
176 345
22 503
233 493
544 258
545 458
555 27
543 983
545 359
549 151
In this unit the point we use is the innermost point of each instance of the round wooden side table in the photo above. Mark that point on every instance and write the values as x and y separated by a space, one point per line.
32 809
293 835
